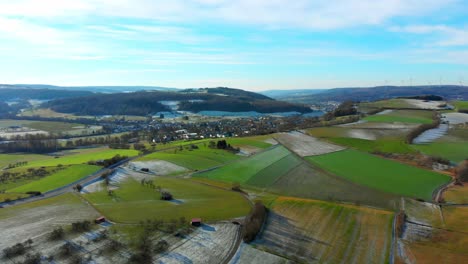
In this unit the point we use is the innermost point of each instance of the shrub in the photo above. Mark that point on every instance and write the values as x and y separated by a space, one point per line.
57 233
254 221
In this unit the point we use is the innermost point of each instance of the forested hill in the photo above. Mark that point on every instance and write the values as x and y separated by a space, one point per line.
9 93
448 92
149 102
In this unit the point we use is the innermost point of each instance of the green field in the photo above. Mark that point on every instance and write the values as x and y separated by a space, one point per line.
48 126
381 145
381 174
453 151
391 103
242 170
82 156
133 202
269 175
403 116
460 105
6 159
56 180
257 141
197 159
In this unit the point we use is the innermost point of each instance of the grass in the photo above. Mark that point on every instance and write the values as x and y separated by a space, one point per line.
453 151
269 175
59 179
11 196
197 159
456 218
68 199
133 202
6 159
457 194
460 105
242 170
327 232
381 174
403 116
82 156
381 145
391 103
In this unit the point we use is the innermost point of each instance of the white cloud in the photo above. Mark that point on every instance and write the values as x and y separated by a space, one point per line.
313 14
446 35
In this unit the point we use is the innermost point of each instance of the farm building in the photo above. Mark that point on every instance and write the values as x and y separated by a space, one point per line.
100 219
196 222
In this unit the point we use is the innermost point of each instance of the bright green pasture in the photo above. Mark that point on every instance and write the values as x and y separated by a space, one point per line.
382 145
403 116
196 159
58 179
133 202
453 151
6 159
381 174
242 170
257 141
461 105
82 156
269 175
391 103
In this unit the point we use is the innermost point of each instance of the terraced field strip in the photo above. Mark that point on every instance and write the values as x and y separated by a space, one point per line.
388 146
81 156
453 151
132 202
59 179
304 145
242 170
322 232
269 175
381 174
403 116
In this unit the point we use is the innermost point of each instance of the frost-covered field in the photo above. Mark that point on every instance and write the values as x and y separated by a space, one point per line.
305 145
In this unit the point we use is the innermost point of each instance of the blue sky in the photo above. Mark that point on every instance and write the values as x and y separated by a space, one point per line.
250 44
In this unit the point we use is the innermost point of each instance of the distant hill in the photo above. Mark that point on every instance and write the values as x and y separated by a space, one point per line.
96 89
289 93
195 100
11 92
448 92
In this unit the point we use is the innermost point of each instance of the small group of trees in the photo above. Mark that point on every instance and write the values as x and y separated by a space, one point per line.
108 162
18 249
462 172
346 108
17 164
222 144
253 222
81 226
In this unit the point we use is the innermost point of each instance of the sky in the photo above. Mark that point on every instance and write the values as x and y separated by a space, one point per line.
250 44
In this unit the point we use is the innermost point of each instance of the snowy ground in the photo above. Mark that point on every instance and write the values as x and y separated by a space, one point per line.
456 118
247 254
425 104
207 244
158 167
305 145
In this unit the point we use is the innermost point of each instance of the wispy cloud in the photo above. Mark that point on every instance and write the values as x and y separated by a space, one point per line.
447 35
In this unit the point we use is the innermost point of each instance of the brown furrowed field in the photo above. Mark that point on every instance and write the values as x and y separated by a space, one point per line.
457 194
313 231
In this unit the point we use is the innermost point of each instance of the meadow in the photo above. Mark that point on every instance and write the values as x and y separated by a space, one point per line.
242 170
460 105
133 202
193 159
453 151
380 145
381 174
305 230
58 179
81 156
403 116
